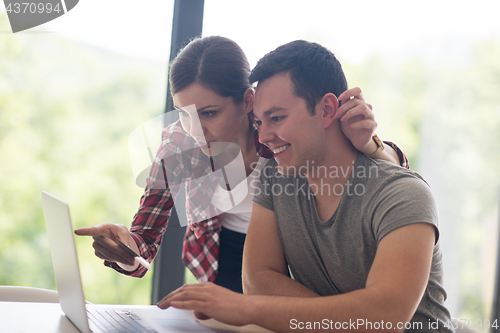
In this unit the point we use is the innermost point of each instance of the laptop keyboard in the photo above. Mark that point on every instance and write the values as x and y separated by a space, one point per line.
117 321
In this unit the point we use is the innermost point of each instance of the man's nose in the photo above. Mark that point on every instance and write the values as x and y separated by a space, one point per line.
266 134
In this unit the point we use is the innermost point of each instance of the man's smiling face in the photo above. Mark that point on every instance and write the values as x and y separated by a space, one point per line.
285 124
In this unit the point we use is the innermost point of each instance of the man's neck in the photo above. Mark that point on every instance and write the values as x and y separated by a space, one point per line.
339 153
328 177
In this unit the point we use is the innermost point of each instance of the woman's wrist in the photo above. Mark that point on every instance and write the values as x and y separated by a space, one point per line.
129 268
370 147
133 245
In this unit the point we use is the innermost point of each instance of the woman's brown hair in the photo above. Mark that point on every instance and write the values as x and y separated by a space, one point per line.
215 62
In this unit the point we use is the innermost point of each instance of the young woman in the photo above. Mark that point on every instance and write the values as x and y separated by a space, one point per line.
210 87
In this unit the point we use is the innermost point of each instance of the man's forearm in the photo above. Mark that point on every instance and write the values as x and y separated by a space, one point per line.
351 311
275 283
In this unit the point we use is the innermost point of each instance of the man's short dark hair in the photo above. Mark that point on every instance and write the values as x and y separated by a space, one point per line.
314 70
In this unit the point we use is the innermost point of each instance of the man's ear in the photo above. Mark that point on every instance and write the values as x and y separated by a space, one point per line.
330 105
248 97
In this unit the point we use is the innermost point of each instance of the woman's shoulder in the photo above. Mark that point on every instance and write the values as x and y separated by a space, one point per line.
175 139
174 132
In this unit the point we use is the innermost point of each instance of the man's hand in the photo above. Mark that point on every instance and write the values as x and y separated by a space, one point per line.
105 246
210 301
357 120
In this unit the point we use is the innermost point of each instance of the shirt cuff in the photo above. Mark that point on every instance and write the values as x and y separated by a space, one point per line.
403 160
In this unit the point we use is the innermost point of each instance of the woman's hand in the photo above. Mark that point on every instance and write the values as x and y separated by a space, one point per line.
105 245
357 120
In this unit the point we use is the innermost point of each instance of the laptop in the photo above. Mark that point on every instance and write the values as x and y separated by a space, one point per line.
93 317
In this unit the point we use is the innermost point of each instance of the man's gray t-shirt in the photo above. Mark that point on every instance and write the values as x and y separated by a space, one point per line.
335 256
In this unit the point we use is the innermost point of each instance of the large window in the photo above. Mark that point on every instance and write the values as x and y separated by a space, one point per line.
71 92
69 99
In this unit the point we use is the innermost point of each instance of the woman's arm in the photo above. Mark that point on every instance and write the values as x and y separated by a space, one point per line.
358 123
149 223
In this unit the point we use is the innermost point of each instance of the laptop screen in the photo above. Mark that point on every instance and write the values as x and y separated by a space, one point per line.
65 260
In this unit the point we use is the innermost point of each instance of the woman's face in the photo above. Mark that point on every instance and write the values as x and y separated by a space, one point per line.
212 120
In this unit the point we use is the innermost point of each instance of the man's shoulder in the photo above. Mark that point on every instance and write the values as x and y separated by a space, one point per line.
396 197
389 181
383 171
374 175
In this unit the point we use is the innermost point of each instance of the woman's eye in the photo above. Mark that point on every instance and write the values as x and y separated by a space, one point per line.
183 113
208 114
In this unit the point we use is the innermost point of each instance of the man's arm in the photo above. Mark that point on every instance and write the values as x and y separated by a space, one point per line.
394 288
265 270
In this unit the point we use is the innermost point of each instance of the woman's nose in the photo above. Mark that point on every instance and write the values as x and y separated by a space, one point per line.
196 131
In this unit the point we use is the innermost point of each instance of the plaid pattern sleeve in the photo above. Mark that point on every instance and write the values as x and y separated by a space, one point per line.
148 226
402 157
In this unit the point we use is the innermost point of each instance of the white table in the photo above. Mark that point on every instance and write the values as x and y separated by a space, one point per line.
48 318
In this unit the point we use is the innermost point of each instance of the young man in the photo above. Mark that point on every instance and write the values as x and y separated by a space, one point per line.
358 236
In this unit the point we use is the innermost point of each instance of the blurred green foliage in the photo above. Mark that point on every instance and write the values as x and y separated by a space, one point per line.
444 112
66 111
